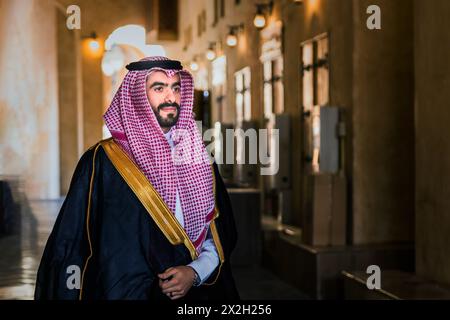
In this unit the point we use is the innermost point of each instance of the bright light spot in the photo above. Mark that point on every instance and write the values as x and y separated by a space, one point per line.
194 66
113 60
155 50
133 35
231 40
210 54
219 70
259 21
94 45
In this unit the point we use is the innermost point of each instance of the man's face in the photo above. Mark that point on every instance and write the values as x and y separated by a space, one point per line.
164 94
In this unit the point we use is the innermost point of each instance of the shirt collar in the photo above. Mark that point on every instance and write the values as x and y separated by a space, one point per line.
168 134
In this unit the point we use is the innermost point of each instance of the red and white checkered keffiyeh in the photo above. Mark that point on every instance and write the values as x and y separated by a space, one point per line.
133 125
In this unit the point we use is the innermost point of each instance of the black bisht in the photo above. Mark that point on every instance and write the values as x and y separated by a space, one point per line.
128 249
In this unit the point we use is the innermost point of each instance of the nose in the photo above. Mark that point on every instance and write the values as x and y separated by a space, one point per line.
170 96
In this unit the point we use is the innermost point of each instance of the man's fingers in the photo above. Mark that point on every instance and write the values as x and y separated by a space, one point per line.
168 273
169 284
171 288
175 295
178 283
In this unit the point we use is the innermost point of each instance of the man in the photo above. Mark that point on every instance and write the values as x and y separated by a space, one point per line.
146 216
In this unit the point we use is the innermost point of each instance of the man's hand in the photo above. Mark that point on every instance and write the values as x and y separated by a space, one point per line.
175 282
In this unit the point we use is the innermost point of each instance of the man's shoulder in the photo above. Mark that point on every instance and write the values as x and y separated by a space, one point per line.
95 150
100 143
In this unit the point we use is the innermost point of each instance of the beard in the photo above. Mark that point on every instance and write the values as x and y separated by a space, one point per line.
171 119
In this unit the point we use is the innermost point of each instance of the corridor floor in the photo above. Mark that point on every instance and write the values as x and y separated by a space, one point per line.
21 253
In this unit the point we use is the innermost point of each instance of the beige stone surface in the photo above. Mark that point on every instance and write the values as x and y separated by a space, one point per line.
28 95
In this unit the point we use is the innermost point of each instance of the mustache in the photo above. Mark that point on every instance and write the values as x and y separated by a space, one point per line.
174 104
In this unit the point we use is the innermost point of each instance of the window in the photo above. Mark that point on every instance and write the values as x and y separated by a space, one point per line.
315 82
315 73
204 20
187 37
219 86
243 95
201 23
216 12
273 87
168 20
219 10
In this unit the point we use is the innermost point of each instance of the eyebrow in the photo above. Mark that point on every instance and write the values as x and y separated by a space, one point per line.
154 84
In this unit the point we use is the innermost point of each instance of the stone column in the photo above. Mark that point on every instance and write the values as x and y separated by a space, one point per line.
383 119
432 81
29 96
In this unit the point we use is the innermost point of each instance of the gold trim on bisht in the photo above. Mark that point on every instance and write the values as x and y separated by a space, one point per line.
88 216
148 196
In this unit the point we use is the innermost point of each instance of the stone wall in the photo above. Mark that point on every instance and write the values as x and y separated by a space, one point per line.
432 83
29 95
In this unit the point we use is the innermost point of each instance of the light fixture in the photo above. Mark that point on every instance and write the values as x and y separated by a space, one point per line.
231 39
211 53
92 46
260 20
194 65
232 35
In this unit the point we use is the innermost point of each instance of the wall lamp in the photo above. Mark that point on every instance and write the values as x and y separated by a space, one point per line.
232 35
92 45
261 8
194 65
211 52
